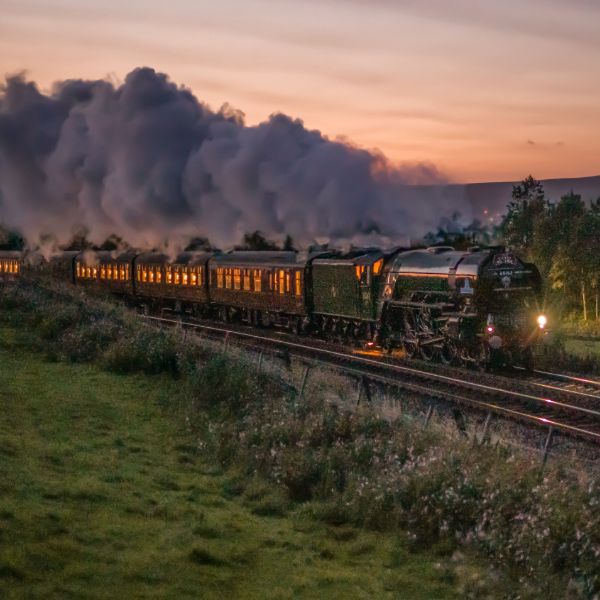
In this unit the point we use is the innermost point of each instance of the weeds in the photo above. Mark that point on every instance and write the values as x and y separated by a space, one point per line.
344 468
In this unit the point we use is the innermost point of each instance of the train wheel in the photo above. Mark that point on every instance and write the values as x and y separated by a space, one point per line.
427 352
481 357
411 347
449 353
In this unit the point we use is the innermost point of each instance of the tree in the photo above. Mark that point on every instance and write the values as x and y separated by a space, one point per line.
257 241
528 204
10 240
571 232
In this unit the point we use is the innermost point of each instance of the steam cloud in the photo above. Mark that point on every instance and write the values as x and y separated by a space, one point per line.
147 161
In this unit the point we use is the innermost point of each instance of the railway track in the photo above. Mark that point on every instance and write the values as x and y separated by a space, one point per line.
540 403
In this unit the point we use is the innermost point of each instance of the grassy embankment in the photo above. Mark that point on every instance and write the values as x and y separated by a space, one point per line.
307 480
103 493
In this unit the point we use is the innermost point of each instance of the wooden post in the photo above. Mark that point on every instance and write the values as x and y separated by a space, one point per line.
304 380
486 427
260 359
547 446
359 394
428 415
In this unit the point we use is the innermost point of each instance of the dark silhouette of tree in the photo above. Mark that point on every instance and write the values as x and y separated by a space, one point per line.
10 240
257 241
198 244
288 243
527 205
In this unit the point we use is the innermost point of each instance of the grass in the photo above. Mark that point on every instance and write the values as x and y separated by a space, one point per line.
104 494
583 348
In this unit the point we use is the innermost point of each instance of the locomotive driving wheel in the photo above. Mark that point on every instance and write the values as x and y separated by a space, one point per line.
427 351
411 347
449 353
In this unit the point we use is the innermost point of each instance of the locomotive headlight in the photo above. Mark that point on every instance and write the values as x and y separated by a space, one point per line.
541 321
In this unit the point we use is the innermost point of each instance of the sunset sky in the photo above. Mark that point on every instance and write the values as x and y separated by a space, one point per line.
485 90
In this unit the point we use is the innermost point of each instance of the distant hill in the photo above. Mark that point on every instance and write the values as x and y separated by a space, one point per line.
489 200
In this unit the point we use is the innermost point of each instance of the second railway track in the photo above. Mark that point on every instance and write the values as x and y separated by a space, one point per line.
539 403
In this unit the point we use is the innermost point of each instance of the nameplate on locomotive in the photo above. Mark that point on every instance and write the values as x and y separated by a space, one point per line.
503 260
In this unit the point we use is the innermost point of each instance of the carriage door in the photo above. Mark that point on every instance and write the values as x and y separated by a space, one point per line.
363 274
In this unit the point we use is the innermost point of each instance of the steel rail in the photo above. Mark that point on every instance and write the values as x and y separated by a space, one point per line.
380 364
571 378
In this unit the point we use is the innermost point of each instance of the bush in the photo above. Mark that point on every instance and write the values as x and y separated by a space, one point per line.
357 468
145 350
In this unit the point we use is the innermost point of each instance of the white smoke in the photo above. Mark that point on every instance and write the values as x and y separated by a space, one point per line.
148 162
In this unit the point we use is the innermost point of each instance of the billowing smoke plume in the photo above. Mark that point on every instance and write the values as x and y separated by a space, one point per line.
149 163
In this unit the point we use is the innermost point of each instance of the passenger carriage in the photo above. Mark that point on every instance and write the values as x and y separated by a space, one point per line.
262 288
181 284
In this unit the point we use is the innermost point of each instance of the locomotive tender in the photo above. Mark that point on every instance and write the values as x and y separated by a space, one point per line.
471 307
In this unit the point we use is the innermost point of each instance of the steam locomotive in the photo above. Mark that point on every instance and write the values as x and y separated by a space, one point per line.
477 307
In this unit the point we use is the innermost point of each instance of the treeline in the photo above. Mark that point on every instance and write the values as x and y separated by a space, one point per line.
562 239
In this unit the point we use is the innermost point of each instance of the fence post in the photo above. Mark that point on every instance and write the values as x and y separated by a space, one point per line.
547 446
260 359
304 380
428 415
225 342
486 427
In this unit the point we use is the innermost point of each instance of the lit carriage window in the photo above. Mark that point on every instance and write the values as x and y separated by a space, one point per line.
377 266
139 273
102 272
144 274
287 282
176 276
127 272
122 273
281 281
184 276
115 272
237 279
151 275
228 279
193 277
298 283
247 280
169 275
158 274
220 277
17 267
94 271
78 269
257 281
359 271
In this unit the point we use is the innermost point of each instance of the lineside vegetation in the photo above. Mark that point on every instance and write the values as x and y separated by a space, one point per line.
347 470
